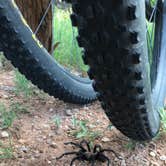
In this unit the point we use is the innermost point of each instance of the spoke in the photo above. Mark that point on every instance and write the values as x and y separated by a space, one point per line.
44 16
154 9
150 35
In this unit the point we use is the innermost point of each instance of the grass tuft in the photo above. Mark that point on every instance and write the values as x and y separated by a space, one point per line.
57 120
163 119
67 52
6 151
22 85
83 132
7 117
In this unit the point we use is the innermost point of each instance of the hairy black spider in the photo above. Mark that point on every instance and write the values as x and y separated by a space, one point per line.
87 154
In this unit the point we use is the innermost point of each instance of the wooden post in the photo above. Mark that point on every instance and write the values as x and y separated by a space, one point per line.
33 10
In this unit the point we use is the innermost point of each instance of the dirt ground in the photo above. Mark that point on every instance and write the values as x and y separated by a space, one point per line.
37 140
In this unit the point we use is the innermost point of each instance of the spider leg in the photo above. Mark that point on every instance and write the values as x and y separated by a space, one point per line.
110 150
75 144
86 143
108 160
64 154
97 148
73 160
93 163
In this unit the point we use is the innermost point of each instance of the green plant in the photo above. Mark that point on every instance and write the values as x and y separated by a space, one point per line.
163 119
130 145
23 85
67 51
152 2
6 151
7 117
83 132
18 108
57 121
74 121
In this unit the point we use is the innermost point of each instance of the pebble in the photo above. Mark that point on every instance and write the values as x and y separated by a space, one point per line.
5 96
163 158
46 126
41 151
49 162
75 110
51 110
21 141
49 141
152 154
91 126
24 149
105 139
53 145
68 112
51 135
4 134
44 137
123 163
152 163
37 155
36 117
86 108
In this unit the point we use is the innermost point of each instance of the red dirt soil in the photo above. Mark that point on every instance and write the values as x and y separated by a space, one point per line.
37 141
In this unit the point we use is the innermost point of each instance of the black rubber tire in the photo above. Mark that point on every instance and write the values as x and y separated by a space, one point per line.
113 33
26 53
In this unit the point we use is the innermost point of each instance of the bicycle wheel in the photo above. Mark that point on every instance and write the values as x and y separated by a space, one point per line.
130 84
23 49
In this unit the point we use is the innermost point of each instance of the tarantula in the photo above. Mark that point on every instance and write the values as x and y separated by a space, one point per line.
87 154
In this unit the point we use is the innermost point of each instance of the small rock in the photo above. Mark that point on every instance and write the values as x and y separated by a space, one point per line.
51 135
41 151
19 156
163 158
53 145
105 139
86 108
71 127
152 154
4 134
5 96
46 126
152 146
91 126
123 163
75 110
49 162
51 110
53 127
37 155
49 141
68 112
21 141
152 163
32 158
36 117
24 149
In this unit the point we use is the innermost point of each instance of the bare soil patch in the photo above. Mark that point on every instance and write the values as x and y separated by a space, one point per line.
38 136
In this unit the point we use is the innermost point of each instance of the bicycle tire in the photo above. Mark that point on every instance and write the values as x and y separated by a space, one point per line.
113 33
26 53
